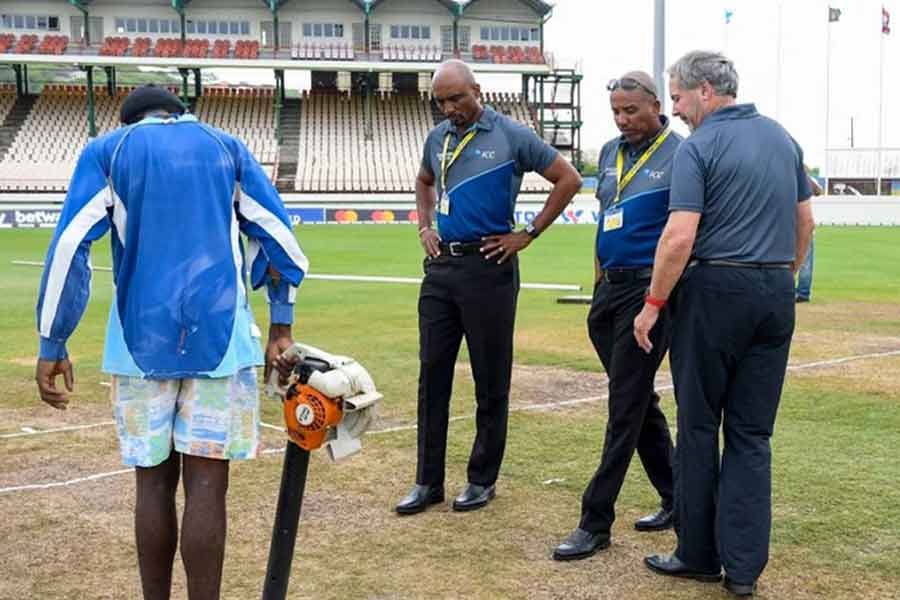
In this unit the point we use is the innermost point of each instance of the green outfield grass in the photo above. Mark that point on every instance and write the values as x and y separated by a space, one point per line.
836 498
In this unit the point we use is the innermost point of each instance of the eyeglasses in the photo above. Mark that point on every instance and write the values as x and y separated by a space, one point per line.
628 84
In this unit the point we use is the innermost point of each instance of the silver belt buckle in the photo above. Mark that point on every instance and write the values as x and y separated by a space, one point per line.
455 248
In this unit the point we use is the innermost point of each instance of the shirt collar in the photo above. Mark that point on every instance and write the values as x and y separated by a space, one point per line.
623 143
485 122
185 118
728 113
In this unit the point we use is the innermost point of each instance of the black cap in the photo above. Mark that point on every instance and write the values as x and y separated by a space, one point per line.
149 97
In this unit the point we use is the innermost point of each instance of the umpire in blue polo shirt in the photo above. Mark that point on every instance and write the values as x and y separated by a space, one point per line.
633 190
739 225
467 185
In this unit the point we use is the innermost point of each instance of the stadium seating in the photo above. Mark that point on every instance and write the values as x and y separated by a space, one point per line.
42 156
247 113
7 41
53 44
7 99
307 51
336 156
246 49
415 53
510 54
115 46
26 44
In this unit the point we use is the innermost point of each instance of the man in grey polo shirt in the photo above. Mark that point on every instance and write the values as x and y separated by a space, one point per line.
738 228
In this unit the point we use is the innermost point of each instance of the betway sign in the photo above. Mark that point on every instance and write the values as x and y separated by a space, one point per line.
28 218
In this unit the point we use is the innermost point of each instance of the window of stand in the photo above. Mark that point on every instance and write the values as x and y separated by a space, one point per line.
323 30
411 32
168 26
510 34
33 22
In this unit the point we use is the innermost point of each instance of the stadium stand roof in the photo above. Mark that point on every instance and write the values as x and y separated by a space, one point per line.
541 8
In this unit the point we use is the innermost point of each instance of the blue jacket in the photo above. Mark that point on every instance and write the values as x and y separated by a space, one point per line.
177 194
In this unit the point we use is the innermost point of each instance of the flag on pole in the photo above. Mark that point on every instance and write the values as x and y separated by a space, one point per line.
834 15
729 13
885 21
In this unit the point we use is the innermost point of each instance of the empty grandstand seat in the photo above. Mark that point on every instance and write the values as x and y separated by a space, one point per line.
221 48
115 46
26 44
7 41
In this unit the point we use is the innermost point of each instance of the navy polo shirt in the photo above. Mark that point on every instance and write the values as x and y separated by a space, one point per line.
744 173
629 229
485 179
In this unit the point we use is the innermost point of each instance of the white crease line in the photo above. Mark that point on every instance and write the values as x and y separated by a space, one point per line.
840 361
567 287
56 430
546 406
45 486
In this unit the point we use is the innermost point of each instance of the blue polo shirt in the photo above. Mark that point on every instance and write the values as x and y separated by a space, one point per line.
629 229
744 173
485 179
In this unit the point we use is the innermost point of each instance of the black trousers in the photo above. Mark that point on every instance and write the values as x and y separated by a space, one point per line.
635 419
732 330
472 297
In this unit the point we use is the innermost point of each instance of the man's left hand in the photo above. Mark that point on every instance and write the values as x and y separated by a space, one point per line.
280 339
504 246
643 324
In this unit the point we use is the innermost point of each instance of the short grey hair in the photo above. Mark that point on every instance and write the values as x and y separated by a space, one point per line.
698 66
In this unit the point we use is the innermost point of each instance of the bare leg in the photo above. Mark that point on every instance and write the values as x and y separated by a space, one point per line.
203 525
156 526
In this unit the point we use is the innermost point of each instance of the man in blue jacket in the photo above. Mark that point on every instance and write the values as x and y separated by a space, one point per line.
181 343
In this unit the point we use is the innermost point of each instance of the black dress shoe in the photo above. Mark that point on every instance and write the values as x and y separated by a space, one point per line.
581 544
658 521
420 498
739 589
473 497
671 565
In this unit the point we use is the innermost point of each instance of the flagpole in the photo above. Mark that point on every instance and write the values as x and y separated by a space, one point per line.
880 109
827 102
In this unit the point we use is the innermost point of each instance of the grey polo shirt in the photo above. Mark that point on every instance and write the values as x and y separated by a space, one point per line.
744 173
485 179
630 228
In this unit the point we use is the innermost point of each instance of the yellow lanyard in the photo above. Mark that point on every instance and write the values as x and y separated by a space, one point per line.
622 182
445 166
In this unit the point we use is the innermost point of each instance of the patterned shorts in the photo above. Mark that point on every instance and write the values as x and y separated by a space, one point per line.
215 418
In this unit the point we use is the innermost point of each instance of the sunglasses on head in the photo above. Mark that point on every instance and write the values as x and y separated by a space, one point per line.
628 84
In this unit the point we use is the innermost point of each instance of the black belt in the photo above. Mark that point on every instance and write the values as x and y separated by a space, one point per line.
460 248
740 265
627 275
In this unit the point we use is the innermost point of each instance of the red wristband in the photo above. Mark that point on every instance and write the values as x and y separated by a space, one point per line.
657 302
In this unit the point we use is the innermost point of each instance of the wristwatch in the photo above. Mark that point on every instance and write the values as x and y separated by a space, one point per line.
532 231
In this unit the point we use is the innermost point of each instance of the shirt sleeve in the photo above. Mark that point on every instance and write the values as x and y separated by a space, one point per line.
601 172
426 158
66 281
804 189
272 245
531 152
688 190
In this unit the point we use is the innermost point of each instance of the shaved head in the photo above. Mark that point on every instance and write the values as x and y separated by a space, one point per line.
456 93
456 69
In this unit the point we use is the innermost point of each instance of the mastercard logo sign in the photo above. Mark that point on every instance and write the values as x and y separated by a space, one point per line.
346 216
383 216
